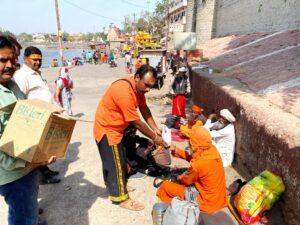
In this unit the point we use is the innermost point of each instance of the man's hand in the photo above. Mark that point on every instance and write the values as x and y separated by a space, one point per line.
159 141
158 131
51 160
173 150
212 116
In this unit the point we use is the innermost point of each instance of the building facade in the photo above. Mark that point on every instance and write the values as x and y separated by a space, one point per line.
215 18
176 16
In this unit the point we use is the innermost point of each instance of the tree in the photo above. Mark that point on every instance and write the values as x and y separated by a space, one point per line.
65 36
157 21
128 26
142 25
100 35
7 33
88 37
24 37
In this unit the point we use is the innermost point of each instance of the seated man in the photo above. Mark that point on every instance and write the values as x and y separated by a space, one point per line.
222 133
206 174
186 130
138 157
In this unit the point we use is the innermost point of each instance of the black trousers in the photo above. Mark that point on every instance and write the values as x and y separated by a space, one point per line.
113 159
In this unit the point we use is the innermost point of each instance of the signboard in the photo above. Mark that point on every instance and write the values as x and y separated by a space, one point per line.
185 40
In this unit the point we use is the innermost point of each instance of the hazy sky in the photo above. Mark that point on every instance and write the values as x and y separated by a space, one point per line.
33 16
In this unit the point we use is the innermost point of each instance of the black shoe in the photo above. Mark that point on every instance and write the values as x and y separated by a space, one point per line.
42 222
52 173
49 180
41 211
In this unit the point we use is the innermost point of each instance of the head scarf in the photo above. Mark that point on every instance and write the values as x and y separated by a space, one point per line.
64 72
226 114
197 109
201 144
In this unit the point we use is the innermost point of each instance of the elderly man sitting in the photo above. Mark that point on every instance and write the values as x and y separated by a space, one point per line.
223 134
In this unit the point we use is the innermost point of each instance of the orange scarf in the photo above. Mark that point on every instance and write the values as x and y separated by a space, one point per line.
201 145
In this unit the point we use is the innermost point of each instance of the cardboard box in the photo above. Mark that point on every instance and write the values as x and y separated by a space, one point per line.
36 130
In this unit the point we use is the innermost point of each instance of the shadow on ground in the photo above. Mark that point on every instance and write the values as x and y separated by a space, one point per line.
74 195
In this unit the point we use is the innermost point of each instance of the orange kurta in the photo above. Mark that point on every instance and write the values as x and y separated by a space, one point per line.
116 110
206 173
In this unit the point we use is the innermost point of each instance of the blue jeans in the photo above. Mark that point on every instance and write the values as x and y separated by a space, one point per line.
21 197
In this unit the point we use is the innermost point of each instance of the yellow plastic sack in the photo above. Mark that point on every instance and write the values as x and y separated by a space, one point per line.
258 195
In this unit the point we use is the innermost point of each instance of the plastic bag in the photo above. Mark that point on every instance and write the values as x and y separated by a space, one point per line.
166 134
258 195
181 212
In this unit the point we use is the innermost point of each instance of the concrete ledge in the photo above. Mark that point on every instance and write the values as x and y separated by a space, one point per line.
267 136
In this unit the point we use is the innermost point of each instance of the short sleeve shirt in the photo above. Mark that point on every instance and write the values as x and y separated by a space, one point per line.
117 109
32 84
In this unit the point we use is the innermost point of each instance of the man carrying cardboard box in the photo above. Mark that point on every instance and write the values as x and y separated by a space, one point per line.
18 178
33 85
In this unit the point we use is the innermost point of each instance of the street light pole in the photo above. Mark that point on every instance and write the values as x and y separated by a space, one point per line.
59 33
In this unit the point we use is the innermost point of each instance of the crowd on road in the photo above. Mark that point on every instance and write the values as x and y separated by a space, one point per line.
124 155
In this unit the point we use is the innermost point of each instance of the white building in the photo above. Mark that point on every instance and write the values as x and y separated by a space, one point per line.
176 16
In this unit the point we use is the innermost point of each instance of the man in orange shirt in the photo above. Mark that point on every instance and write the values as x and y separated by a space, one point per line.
206 174
117 109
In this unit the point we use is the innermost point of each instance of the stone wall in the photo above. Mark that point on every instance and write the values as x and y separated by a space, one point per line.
191 11
244 16
205 20
267 137
225 17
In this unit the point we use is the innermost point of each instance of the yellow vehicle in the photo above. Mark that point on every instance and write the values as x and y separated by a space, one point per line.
144 40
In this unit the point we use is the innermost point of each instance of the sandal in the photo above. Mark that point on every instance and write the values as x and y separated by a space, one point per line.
130 188
132 205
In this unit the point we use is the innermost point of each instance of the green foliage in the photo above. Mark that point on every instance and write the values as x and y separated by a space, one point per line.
88 37
217 70
204 60
142 25
7 33
24 37
151 22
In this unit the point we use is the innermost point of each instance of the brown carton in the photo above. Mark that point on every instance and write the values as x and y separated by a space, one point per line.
36 130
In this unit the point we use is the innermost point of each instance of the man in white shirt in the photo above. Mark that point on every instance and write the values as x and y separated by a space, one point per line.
32 84
223 134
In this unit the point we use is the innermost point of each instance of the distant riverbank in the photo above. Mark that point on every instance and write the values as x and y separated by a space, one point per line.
49 55
54 46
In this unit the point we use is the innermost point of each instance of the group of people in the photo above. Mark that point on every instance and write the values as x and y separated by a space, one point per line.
19 180
97 57
211 141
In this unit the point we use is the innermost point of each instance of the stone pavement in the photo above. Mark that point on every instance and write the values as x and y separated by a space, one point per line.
268 63
81 197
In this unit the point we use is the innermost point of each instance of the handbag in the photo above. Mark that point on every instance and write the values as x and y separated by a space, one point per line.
181 212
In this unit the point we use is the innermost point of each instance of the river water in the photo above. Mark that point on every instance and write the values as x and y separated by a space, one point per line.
49 55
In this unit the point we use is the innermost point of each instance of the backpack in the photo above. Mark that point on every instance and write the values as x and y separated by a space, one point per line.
181 212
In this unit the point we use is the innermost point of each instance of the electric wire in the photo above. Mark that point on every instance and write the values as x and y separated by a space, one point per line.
91 12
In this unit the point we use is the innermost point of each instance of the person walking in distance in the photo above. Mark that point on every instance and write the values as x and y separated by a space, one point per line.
64 86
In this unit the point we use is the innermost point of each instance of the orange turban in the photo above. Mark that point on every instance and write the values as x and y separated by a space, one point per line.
197 109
